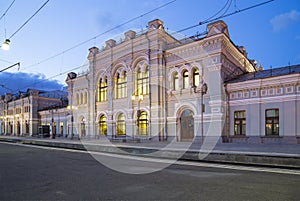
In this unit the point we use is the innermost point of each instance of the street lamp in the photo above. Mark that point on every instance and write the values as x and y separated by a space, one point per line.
5 44
203 90
139 99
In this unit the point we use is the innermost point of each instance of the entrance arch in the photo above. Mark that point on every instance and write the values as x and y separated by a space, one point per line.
82 126
186 126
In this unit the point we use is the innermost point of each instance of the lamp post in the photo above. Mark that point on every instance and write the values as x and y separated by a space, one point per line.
139 99
203 91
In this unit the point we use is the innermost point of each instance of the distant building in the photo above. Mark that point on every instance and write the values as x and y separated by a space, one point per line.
22 114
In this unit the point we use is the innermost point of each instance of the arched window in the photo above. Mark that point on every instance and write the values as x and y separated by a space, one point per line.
121 126
77 99
103 125
102 90
185 80
175 81
85 98
196 77
142 82
81 98
121 85
143 123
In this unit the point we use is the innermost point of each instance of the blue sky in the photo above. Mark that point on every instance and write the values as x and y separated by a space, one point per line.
270 33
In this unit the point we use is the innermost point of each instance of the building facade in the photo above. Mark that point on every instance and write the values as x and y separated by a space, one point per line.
153 86
264 106
21 114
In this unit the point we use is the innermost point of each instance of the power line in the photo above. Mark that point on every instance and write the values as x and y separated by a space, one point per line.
28 20
16 64
200 23
7 9
105 32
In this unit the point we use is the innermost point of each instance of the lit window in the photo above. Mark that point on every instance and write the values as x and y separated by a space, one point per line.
142 82
240 123
185 79
61 128
102 90
143 123
121 126
272 122
121 85
103 125
196 77
175 81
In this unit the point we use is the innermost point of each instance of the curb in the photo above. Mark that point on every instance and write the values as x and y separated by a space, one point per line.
257 159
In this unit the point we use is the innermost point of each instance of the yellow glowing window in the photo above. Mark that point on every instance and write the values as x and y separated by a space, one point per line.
103 125
196 77
185 79
121 126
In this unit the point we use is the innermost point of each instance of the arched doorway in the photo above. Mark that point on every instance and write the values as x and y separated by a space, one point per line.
82 127
186 126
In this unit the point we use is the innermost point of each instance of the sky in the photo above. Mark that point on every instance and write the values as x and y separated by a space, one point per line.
270 32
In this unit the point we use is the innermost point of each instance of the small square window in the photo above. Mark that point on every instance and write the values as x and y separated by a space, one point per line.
271 91
232 95
279 91
289 89
264 92
298 88
254 93
246 94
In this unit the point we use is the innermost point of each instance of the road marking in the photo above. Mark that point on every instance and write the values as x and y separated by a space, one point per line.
171 161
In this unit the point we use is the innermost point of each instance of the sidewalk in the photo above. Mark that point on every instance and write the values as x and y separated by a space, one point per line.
279 155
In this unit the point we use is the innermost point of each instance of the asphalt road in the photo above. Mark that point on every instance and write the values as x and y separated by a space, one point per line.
28 173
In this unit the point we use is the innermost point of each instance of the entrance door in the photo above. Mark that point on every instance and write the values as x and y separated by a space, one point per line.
187 126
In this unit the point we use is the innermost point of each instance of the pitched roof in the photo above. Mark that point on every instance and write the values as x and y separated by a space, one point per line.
275 72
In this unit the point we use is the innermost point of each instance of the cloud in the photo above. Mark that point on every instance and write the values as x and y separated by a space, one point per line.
279 22
14 82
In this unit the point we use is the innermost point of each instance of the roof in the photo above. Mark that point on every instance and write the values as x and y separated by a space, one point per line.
275 72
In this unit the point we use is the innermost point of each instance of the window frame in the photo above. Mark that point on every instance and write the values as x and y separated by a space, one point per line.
121 85
272 122
102 90
121 125
185 79
240 123
103 125
142 82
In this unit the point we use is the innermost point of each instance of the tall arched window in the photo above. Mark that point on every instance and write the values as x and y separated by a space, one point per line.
77 99
121 126
175 81
143 123
85 98
102 90
185 80
196 77
142 82
103 125
121 85
81 98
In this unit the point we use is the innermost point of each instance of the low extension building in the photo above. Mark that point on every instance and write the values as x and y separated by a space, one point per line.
22 114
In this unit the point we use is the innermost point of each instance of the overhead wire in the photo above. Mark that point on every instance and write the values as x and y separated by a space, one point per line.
28 20
7 9
101 34
200 23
